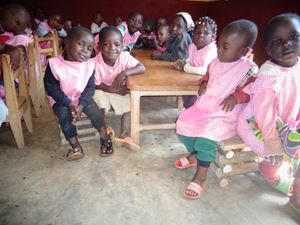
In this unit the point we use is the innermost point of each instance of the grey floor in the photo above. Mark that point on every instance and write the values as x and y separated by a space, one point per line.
37 186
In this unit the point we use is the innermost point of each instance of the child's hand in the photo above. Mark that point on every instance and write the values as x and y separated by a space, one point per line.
119 81
179 64
156 55
77 116
72 109
229 103
274 159
202 87
122 91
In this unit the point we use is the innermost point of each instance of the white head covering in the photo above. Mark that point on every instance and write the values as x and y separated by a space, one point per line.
188 19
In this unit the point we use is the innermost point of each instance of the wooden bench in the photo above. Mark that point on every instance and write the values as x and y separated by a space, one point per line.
234 157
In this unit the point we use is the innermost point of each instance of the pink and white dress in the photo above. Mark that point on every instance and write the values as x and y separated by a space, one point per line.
72 76
128 40
199 60
206 118
107 74
275 93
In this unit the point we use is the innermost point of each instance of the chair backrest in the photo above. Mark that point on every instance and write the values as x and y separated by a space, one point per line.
14 97
50 48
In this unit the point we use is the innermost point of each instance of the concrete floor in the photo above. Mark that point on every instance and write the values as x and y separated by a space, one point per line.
38 187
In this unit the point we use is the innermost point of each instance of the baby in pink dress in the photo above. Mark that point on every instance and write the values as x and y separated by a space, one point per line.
274 94
202 51
70 84
131 30
213 116
113 66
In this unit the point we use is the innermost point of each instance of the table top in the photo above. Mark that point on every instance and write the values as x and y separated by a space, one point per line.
161 76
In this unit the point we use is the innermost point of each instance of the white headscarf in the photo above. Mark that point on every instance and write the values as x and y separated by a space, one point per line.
188 19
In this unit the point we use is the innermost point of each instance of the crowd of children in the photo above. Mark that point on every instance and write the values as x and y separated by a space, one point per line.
260 105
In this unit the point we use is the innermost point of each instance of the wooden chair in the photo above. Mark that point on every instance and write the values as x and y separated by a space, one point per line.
17 100
36 83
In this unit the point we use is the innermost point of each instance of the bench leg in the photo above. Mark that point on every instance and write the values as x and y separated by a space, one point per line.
135 116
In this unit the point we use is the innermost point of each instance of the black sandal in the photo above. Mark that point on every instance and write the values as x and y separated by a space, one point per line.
106 148
75 153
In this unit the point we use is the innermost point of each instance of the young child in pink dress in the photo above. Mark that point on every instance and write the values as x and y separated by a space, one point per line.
112 68
131 30
70 84
161 38
213 116
202 51
275 94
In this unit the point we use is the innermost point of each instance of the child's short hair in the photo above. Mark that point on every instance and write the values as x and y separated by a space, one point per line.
244 27
20 13
274 22
205 20
75 30
133 14
108 29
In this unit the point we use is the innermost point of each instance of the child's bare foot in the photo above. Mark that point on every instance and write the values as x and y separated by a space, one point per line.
195 188
186 162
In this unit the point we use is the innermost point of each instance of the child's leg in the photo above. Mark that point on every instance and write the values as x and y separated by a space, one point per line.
69 131
206 153
125 125
97 118
190 160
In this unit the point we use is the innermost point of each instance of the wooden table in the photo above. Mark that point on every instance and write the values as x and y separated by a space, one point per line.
160 79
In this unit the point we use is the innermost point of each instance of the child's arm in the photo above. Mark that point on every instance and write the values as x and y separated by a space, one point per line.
203 84
52 88
119 81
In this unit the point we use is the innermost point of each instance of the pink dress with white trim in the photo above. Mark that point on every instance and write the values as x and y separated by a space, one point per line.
72 76
275 93
128 40
203 56
107 74
206 118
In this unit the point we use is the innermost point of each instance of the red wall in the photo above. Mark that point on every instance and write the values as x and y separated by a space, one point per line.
259 11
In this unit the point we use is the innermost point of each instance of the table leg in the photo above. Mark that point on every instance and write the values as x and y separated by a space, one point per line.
135 116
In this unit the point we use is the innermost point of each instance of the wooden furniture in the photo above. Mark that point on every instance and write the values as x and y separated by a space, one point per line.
160 79
37 67
234 157
17 100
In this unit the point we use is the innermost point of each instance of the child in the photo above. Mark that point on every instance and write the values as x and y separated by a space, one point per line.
146 39
213 116
40 17
161 21
161 38
55 22
70 84
177 45
202 51
131 30
275 94
98 23
112 68
118 20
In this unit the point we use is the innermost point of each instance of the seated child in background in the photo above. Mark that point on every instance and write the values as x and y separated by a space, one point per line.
117 21
146 39
112 68
177 45
98 23
39 17
161 38
55 22
161 21
130 30
70 84
213 117
202 51
275 95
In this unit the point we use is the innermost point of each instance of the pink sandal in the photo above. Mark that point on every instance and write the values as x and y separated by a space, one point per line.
184 163
193 187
